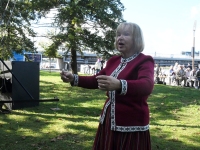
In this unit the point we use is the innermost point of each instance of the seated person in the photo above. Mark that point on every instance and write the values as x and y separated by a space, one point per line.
198 77
172 75
162 75
187 74
180 76
192 80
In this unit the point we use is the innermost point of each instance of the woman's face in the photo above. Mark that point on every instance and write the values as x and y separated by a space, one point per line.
124 40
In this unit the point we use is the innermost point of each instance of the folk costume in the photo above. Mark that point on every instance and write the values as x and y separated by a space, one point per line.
124 121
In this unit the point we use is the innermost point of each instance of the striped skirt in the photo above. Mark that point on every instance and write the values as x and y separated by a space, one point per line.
107 139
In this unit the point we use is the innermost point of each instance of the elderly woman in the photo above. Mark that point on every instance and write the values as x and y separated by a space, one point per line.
128 80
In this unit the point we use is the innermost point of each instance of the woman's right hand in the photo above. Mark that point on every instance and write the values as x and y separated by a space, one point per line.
67 76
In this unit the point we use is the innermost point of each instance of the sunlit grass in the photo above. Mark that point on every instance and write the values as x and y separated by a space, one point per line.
174 122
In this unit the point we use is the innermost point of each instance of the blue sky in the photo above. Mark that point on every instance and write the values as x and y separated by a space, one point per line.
167 25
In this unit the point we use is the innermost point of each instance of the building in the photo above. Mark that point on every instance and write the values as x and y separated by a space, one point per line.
89 58
86 58
184 59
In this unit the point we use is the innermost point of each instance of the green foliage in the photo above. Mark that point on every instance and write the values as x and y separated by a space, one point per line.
83 24
174 118
16 17
15 27
87 25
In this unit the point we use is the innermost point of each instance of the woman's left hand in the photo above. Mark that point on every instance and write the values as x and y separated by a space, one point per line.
108 83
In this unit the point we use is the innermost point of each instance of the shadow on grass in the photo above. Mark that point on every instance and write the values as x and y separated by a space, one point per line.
36 128
75 125
169 109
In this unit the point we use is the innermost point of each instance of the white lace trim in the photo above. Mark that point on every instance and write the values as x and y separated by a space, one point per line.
111 101
132 128
124 87
76 79
104 112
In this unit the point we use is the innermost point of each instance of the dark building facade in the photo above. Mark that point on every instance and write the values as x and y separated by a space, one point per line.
163 61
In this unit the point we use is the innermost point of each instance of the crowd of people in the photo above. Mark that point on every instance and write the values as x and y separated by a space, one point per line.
179 75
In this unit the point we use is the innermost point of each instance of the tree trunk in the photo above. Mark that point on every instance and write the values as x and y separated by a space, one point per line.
74 61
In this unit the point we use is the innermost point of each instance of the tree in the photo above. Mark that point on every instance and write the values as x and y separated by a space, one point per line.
15 22
87 24
83 24
14 28
50 53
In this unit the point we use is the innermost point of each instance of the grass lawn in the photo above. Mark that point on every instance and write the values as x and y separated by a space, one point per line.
174 124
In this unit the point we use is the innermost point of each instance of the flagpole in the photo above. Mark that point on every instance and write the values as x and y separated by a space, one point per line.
193 48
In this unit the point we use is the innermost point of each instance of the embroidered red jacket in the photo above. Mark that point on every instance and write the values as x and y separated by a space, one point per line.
129 109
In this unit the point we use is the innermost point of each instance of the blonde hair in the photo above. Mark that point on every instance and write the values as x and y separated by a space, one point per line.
136 33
